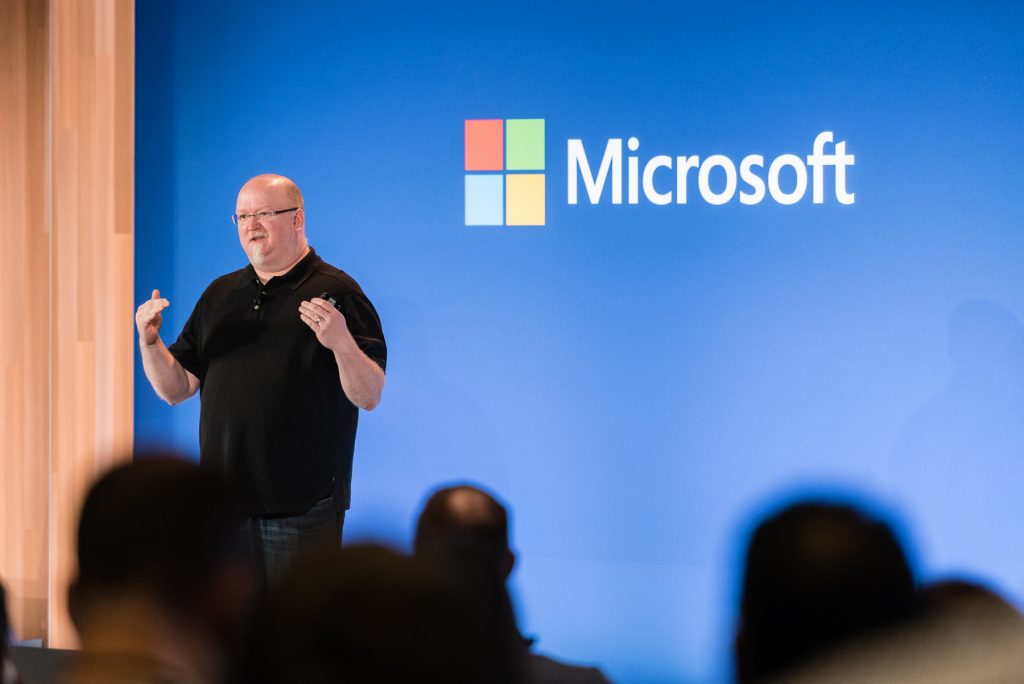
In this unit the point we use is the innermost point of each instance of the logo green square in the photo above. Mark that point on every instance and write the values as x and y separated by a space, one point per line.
524 144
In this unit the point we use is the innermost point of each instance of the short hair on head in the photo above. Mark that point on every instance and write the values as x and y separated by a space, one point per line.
463 520
293 192
160 525
275 179
817 573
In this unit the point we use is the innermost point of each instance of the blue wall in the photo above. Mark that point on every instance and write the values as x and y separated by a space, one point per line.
636 381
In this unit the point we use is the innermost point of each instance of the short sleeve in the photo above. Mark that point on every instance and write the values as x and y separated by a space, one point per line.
364 324
185 349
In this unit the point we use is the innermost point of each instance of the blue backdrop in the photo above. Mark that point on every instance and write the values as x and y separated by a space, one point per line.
637 381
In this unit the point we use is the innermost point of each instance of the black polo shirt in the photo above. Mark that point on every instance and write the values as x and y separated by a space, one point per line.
274 417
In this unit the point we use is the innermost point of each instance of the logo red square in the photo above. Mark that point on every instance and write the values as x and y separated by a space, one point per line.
485 144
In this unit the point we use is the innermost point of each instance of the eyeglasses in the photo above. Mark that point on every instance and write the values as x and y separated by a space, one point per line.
261 215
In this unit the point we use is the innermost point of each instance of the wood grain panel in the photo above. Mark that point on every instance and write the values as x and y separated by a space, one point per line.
24 318
93 90
66 173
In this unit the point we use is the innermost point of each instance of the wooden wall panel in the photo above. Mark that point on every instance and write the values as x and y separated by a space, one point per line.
24 312
67 166
93 342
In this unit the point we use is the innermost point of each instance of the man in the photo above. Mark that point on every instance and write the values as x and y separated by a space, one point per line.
8 675
163 586
282 373
819 576
466 529
365 614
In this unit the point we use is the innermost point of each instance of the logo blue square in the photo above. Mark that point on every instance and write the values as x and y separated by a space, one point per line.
485 200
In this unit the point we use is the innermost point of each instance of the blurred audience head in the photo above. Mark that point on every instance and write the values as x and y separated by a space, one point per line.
5 626
368 614
962 633
970 616
966 600
816 575
160 552
466 523
8 674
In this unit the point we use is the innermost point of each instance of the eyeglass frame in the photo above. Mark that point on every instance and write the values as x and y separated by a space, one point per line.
237 219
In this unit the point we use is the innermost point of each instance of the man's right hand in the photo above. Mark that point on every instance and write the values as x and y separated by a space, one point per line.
148 318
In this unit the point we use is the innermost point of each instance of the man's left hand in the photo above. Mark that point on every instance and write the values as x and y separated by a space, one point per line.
325 321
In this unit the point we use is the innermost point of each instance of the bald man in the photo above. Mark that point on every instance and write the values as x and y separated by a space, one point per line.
284 353
466 528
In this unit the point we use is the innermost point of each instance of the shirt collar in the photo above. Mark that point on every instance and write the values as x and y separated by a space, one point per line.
294 277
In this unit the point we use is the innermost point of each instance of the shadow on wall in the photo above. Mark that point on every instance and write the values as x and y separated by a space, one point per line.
454 437
974 428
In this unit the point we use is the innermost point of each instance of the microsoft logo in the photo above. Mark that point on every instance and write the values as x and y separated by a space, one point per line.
503 186
505 179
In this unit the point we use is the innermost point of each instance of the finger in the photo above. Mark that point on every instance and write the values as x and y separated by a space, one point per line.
156 294
322 306
309 320
145 319
311 308
314 311
153 307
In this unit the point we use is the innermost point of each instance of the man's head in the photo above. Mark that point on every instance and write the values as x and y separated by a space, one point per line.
464 531
465 522
164 532
364 613
4 625
273 243
816 574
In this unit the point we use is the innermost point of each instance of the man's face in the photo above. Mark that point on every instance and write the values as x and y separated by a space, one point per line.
273 244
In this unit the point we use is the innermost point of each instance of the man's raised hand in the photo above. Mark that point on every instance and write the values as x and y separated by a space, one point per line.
148 318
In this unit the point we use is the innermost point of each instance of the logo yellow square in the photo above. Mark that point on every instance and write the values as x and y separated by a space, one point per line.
524 199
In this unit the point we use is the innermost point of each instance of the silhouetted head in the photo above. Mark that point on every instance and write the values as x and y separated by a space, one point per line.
165 530
368 614
5 633
817 574
466 523
968 604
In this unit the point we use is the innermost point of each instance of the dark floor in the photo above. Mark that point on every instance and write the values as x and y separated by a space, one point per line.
40 665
